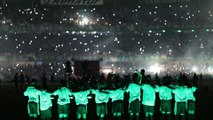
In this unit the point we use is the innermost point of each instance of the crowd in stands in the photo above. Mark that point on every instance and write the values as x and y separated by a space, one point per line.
52 18
45 32
50 33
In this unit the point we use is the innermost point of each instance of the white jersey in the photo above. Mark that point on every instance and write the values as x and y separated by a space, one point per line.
33 94
63 95
117 94
165 93
45 100
180 94
100 96
81 97
149 96
190 93
134 92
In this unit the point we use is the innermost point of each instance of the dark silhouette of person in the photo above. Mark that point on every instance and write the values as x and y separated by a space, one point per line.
143 76
194 80
157 79
52 78
27 79
21 80
44 81
16 80
200 78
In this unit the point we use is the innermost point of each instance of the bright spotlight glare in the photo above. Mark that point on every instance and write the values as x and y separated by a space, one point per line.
194 69
210 70
155 69
84 21
106 70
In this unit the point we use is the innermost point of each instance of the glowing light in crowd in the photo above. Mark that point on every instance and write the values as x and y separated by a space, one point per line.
106 70
155 68
194 69
85 21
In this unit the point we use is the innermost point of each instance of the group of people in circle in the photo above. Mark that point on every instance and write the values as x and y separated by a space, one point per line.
141 94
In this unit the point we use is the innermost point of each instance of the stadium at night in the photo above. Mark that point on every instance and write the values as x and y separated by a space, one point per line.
83 45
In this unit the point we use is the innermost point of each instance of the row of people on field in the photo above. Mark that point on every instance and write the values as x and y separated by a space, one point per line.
40 101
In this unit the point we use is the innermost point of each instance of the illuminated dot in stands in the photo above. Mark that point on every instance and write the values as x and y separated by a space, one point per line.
179 31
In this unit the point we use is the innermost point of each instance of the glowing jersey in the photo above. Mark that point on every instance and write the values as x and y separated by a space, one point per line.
117 94
81 97
148 95
63 95
165 93
100 97
32 94
45 100
190 93
134 92
180 94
